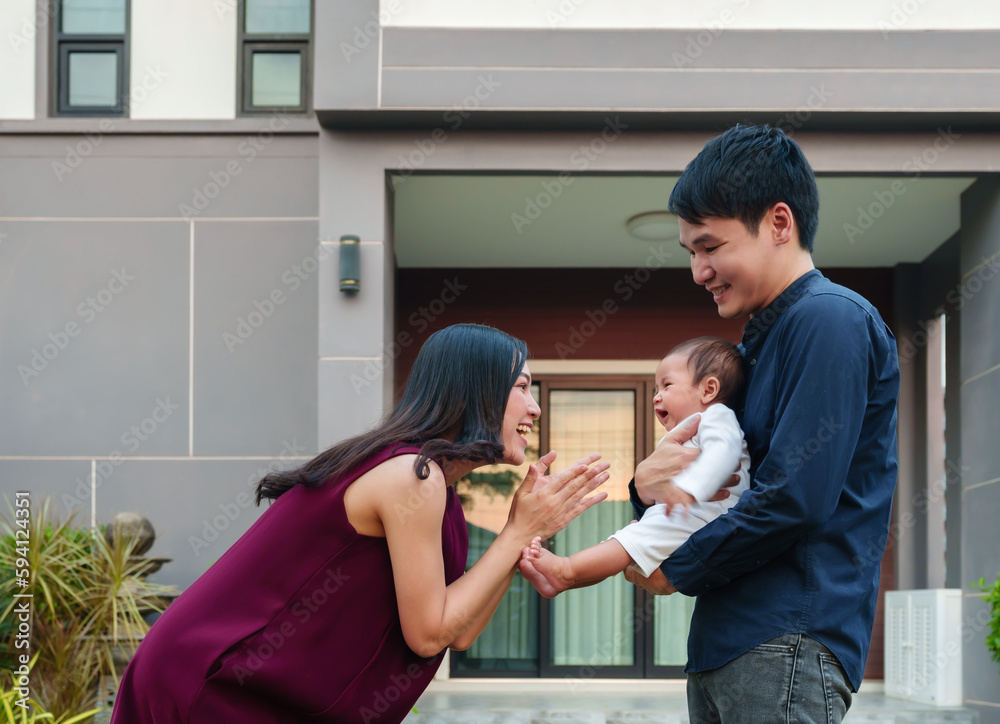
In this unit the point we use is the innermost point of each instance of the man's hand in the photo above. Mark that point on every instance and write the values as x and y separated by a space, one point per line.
654 475
657 583
667 460
675 497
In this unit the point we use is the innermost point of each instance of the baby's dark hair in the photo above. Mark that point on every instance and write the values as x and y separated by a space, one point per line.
715 357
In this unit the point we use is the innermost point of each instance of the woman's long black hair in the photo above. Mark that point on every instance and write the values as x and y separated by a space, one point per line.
453 407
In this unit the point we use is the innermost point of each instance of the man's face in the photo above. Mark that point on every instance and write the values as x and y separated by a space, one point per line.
731 263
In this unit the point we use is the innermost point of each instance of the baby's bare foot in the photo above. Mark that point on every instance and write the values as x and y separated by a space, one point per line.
543 569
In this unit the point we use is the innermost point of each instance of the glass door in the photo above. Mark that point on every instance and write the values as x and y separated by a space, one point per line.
613 629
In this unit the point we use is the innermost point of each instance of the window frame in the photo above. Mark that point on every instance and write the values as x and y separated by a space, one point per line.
65 43
248 43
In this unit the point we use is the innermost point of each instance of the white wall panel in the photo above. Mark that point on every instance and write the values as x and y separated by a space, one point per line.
884 15
183 62
18 28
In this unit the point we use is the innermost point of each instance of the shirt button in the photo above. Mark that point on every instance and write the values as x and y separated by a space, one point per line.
753 362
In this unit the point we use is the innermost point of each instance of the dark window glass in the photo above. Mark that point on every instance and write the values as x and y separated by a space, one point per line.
278 17
93 79
275 38
93 17
90 58
277 79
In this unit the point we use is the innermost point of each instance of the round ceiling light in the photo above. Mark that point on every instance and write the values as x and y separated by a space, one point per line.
653 226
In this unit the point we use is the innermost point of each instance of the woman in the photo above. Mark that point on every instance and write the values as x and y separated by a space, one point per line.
337 604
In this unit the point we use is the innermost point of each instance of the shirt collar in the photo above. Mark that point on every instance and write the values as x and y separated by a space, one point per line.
757 329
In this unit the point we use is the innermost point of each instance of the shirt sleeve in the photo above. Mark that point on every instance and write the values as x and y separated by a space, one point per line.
821 389
721 443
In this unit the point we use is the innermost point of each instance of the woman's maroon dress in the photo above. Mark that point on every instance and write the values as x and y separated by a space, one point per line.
297 622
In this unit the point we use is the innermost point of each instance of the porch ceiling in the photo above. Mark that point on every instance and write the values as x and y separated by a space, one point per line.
499 221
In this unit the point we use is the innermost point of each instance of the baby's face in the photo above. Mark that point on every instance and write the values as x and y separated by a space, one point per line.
677 396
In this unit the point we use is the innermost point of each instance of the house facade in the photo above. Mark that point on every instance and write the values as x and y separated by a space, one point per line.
175 181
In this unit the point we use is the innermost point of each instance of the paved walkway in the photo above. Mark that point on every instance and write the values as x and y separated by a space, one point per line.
617 702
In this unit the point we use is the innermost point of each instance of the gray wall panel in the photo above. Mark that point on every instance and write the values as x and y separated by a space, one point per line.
351 325
255 337
346 54
677 90
198 508
65 482
215 176
95 342
350 394
722 48
979 297
979 514
979 673
352 191
980 452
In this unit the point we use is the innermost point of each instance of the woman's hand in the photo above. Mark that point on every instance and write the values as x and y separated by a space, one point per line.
545 504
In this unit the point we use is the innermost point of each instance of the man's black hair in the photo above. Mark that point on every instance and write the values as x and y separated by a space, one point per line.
742 174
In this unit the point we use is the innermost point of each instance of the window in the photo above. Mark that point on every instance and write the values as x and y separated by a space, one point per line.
275 58
91 49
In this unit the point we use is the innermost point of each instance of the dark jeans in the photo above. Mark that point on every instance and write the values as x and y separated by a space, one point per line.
791 679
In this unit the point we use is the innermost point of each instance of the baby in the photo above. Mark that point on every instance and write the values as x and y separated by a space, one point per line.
703 375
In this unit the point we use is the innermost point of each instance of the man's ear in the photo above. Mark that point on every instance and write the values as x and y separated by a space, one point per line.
709 389
782 223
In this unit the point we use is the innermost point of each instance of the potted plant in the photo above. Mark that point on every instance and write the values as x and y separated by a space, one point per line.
88 601
991 594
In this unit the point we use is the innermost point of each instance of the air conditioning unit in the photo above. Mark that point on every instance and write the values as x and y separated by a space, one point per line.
923 646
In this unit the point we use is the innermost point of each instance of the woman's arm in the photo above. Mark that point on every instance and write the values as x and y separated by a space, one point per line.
432 614
477 626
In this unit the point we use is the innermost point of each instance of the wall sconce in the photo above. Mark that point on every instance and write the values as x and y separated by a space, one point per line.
350 264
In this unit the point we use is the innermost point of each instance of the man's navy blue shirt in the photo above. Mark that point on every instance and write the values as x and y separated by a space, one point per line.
801 550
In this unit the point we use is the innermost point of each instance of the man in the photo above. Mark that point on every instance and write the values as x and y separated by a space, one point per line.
786 580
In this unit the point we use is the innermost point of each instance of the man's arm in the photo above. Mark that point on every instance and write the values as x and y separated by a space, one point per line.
822 390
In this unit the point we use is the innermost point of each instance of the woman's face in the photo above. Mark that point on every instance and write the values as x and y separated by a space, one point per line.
519 418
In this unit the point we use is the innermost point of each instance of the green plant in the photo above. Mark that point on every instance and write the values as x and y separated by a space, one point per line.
88 601
991 594
25 710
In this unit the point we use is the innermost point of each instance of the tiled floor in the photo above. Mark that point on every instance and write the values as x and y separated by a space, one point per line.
602 702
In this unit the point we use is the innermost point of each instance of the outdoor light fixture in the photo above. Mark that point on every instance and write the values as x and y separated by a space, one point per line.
653 226
350 264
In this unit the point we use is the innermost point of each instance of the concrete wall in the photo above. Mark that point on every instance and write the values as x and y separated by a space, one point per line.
771 15
183 61
159 337
19 26
979 295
